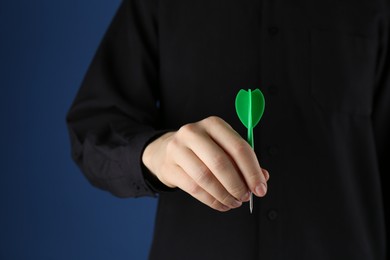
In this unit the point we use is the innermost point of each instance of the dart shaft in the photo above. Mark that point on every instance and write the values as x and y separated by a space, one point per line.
251 203
250 139
251 143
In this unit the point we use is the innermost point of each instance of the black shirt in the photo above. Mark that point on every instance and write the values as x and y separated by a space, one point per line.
324 68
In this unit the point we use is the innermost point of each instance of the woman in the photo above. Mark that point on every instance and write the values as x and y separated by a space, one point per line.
155 116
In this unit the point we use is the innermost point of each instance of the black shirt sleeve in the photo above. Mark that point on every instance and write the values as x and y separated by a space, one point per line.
116 113
381 120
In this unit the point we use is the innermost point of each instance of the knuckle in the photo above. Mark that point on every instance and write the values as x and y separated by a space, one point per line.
220 163
187 130
163 169
164 176
172 145
215 204
194 189
203 176
227 199
213 120
238 191
253 179
241 147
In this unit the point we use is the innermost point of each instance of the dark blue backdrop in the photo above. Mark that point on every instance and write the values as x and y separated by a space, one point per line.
48 209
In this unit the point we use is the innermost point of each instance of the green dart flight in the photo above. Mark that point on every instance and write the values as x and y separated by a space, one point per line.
250 108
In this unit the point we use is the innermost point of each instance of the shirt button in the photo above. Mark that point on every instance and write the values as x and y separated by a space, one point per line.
272 150
136 186
273 30
272 215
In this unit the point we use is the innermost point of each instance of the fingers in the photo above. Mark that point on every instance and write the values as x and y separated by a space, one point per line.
187 184
266 174
240 152
204 178
214 169
210 161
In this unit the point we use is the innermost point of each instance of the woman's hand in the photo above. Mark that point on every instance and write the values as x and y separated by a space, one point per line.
210 161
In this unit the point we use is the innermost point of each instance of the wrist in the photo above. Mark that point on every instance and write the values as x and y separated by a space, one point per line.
151 156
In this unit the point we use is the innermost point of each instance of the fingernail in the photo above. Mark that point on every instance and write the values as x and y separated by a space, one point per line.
266 174
246 197
236 203
225 208
261 190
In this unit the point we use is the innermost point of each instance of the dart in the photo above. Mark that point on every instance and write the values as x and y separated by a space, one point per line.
250 108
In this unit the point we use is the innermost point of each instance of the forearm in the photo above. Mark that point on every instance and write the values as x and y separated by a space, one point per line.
114 114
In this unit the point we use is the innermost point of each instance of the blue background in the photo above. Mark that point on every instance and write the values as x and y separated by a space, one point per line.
48 209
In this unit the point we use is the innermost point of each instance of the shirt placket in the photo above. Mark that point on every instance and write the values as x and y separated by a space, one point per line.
269 208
